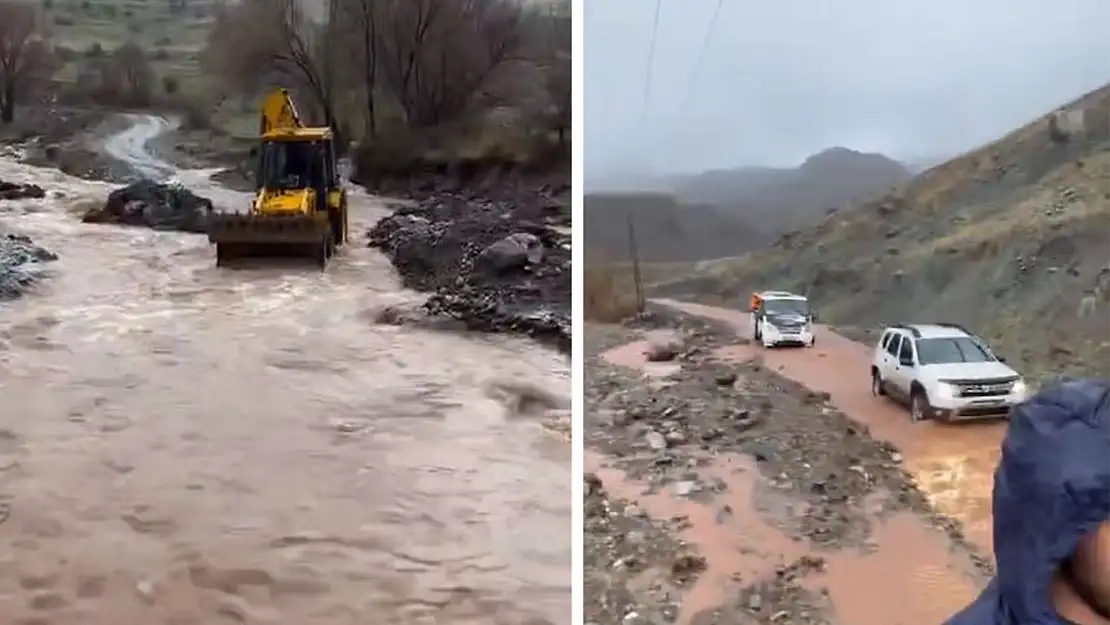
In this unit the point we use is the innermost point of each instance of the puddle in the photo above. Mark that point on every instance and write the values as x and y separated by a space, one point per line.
909 577
739 547
921 581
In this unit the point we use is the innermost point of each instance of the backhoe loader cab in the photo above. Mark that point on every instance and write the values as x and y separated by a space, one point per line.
299 204
302 159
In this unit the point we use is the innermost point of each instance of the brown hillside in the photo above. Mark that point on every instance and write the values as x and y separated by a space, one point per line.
1012 239
781 200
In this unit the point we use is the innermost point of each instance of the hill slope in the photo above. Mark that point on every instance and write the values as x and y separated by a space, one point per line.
784 199
1012 239
665 230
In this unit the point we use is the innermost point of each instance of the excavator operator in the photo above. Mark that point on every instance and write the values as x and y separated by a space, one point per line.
1052 513
294 172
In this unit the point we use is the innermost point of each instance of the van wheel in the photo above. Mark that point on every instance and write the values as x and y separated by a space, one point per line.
877 384
919 406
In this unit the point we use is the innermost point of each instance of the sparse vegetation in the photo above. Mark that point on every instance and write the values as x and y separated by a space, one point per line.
609 292
428 76
25 56
406 79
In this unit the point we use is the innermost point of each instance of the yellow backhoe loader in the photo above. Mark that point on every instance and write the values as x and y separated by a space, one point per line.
299 206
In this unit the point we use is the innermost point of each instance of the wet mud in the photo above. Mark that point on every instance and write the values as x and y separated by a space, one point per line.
953 464
492 265
775 505
181 443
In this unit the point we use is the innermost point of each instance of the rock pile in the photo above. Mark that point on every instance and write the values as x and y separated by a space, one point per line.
154 205
496 266
16 191
21 264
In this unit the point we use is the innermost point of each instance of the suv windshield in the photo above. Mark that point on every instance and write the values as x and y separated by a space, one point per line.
787 306
951 350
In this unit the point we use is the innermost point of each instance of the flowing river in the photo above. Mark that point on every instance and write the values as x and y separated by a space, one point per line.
181 443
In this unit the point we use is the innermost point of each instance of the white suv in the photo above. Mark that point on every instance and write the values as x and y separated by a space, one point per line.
943 371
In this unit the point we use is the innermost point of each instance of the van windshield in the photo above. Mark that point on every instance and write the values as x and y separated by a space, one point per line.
951 350
786 306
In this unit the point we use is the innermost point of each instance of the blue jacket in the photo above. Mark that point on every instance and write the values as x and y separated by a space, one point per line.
1051 487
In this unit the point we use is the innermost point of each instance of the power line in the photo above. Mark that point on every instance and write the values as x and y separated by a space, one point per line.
650 62
696 73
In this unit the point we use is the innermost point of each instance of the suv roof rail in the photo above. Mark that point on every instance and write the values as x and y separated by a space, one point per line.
955 326
908 328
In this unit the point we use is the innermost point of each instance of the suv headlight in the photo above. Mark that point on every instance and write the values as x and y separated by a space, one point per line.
1019 388
945 390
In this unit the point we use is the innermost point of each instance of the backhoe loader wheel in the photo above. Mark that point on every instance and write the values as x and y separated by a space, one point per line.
226 253
323 252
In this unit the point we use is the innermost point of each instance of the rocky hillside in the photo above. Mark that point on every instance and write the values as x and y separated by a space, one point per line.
1010 239
781 200
665 229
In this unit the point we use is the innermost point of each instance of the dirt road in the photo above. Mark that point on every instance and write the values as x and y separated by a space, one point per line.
755 499
953 464
186 444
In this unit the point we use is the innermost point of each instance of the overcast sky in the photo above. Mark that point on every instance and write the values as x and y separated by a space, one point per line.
781 80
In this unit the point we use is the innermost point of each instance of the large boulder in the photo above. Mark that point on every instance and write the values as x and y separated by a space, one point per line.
16 191
154 205
515 251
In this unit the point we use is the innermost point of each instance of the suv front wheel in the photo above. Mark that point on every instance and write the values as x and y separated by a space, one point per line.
877 384
919 406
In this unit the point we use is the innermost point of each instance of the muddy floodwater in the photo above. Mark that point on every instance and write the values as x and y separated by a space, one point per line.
185 444
906 573
953 464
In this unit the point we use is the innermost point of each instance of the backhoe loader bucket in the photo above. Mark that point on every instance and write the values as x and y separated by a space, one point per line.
242 236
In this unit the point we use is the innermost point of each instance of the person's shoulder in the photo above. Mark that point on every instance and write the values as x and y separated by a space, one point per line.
985 610
1077 401
1087 396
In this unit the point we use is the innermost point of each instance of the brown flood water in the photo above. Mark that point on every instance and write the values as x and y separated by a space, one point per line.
921 580
953 464
183 444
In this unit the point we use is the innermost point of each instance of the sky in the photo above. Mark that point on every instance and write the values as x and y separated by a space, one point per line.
782 80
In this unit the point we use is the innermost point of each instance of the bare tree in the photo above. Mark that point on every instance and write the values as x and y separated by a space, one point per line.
24 53
133 73
361 38
437 55
555 57
256 39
